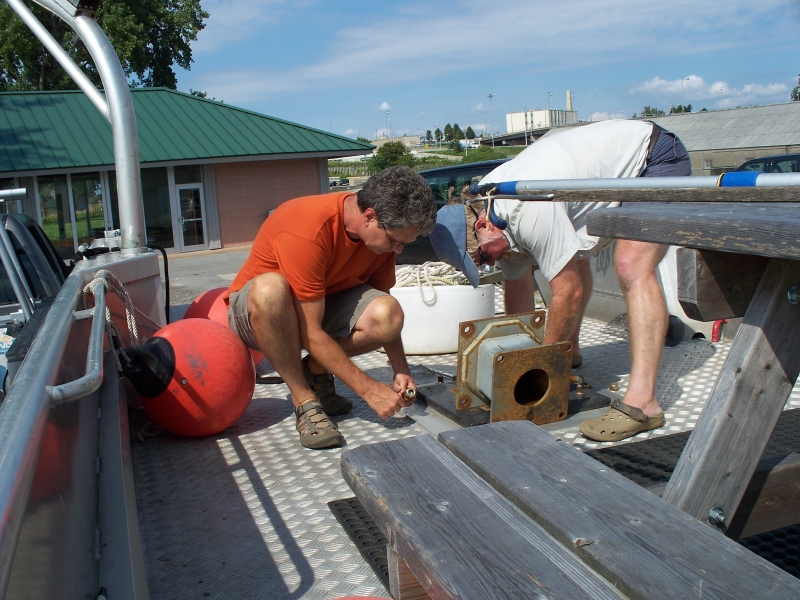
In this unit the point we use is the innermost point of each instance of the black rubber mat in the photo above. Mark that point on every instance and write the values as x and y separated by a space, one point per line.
646 463
365 534
441 397
780 547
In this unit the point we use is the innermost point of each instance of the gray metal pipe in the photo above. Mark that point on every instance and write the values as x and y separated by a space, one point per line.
638 183
123 125
645 183
93 378
23 415
14 277
57 52
778 180
19 272
15 194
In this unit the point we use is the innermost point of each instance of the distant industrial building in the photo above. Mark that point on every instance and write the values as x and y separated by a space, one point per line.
718 141
409 141
525 125
721 140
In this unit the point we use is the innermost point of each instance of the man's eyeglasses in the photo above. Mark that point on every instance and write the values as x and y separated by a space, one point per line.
392 244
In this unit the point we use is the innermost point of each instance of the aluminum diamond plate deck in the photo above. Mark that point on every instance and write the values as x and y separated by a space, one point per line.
244 514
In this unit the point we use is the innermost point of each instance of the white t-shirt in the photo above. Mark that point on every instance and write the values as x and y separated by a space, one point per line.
549 234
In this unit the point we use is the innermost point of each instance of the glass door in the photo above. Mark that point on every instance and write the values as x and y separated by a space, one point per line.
190 201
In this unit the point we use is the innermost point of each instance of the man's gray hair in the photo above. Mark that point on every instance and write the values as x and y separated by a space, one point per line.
401 198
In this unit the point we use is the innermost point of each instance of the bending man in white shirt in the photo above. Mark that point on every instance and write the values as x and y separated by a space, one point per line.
552 236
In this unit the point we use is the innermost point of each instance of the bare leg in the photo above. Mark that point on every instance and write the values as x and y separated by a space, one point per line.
274 322
636 264
380 323
585 272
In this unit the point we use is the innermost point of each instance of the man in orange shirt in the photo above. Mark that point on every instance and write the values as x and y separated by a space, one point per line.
317 278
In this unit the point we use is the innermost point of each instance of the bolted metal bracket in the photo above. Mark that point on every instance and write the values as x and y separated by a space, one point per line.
503 363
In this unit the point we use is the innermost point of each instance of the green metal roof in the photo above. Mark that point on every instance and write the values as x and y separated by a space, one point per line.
63 130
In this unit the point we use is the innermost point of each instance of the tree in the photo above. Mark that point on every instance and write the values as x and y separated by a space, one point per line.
363 139
796 91
438 134
652 111
200 94
457 133
428 136
680 109
470 134
448 133
149 36
391 154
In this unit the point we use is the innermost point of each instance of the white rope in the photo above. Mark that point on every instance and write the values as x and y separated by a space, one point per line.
110 282
435 273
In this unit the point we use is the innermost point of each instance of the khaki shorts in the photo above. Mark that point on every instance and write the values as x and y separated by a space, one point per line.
342 311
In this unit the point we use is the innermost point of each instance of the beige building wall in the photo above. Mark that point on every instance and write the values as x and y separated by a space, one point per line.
247 191
717 162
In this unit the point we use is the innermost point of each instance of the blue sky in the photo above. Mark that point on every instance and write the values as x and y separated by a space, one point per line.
339 66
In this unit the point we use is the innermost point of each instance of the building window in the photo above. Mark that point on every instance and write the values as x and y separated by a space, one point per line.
157 211
88 202
55 213
190 174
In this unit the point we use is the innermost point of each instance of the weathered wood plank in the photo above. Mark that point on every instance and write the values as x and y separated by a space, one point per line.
402 583
683 195
763 230
459 537
716 285
645 547
772 499
752 388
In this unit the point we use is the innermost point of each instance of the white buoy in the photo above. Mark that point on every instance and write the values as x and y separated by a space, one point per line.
433 328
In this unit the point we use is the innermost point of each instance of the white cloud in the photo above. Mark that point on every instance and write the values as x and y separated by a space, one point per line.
694 88
384 106
382 46
351 132
232 20
605 116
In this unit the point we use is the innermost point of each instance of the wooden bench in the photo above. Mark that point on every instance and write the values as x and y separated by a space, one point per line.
507 511
764 360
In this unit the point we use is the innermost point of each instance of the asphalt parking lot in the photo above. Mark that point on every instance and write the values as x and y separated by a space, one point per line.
193 273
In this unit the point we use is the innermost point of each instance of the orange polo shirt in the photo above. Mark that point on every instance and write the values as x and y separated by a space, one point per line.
305 241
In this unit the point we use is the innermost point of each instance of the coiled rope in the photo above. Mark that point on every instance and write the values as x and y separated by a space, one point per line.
434 273
110 282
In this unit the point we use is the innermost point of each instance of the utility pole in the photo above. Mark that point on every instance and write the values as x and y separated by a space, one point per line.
525 111
491 110
549 114
386 131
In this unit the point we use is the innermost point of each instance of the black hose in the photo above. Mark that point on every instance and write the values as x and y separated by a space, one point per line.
166 279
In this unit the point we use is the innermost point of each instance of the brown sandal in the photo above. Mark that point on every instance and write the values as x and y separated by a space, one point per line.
322 385
316 430
620 422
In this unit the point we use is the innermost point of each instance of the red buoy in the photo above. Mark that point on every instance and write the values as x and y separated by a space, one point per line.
194 377
209 305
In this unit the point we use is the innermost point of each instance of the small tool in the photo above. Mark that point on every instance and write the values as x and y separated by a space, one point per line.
410 394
